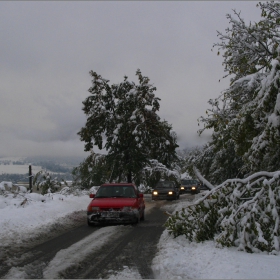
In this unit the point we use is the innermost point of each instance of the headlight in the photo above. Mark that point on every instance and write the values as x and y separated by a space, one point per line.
170 193
182 188
155 193
95 209
193 187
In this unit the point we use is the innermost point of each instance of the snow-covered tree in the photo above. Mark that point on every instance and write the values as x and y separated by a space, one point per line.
245 144
122 119
245 117
93 171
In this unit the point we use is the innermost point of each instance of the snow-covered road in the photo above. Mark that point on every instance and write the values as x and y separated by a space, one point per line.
23 225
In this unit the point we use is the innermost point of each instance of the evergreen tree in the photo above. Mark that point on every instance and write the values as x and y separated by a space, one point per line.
122 119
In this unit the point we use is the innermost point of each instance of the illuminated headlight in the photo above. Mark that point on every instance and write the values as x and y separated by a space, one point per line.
127 209
182 188
95 209
155 193
170 193
193 187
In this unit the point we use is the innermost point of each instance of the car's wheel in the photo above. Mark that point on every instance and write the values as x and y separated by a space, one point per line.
90 224
135 222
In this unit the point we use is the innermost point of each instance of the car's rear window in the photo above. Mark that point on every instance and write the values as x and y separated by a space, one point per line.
116 191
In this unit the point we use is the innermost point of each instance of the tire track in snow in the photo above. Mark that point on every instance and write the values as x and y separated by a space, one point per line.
72 256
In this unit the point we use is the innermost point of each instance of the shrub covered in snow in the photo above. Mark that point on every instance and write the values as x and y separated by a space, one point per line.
44 181
238 212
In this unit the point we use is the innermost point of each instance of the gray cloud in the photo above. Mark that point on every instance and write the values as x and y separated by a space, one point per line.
47 49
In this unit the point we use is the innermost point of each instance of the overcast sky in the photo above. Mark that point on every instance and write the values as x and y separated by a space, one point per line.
48 48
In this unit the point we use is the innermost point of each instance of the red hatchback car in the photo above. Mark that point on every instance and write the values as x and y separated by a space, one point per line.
116 203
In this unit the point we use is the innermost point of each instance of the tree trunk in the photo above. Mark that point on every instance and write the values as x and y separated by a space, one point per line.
129 177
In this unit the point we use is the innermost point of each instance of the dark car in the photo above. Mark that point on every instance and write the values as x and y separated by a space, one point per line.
116 203
166 190
190 185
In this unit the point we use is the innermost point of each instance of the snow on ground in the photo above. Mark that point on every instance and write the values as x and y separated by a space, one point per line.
176 259
180 259
126 273
24 214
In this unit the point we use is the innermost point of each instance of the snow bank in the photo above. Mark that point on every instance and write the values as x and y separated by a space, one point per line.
23 214
180 259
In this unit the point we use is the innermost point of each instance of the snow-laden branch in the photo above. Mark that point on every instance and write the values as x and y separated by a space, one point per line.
202 179
239 212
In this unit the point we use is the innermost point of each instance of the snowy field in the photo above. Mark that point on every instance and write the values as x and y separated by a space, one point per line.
6 166
18 169
28 214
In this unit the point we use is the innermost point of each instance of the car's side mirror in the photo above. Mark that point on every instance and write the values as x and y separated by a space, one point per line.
140 195
92 195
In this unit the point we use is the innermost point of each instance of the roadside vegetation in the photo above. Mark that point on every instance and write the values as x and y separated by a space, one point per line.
245 120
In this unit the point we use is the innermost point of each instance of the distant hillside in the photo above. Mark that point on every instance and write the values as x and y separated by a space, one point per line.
16 168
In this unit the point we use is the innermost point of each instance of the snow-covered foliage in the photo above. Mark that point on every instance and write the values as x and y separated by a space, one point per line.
239 212
6 186
154 171
122 119
44 182
20 197
93 171
245 118
156 166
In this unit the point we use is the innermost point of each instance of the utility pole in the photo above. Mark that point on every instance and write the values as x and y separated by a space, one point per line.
30 178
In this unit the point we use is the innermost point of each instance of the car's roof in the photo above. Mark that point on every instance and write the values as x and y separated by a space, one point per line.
118 184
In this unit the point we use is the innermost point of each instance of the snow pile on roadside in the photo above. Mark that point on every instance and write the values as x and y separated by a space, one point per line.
24 214
180 259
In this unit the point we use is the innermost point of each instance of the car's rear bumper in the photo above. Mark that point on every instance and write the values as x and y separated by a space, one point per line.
116 218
